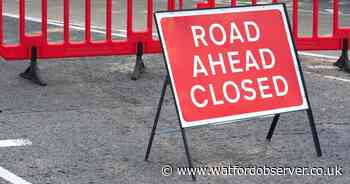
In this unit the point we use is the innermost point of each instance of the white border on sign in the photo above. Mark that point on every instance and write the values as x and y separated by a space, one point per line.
232 118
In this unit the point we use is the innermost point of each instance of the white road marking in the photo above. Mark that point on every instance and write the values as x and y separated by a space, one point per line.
318 55
10 177
329 10
4 173
14 143
337 78
328 77
322 67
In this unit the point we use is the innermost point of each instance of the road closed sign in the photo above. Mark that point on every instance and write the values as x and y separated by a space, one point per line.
229 64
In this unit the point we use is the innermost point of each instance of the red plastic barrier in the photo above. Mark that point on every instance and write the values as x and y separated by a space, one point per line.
87 47
109 46
315 41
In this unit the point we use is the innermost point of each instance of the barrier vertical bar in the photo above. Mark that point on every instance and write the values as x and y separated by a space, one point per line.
295 18
88 20
181 4
150 17
109 20
21 21
315 19
211 3
335 16
66 21
1 23
44 19
274 1
233 3
171 4
129 19
254 2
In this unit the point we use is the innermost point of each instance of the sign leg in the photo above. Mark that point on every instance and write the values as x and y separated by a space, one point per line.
189 159
273 126
159 108
314 132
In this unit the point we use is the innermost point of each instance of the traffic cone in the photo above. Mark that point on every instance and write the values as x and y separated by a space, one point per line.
343 62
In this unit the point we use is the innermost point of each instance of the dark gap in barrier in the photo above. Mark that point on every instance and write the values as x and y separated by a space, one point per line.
77 20
304 19
325 18
98 20
139 65
33 12
157 6
10 25
343 12
119 20
32 73
55 13
139 16
343 62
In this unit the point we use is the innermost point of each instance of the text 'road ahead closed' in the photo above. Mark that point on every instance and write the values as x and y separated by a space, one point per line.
231 64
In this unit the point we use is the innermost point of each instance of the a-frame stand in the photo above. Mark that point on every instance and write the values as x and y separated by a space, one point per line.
268 137
159 108
309 115
312 126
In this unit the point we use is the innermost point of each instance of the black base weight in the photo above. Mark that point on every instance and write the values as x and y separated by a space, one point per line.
139 65
32 73
343 62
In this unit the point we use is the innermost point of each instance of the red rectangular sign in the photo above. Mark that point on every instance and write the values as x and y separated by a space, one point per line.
230 64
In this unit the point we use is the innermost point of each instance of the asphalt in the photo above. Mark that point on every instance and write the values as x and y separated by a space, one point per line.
91 125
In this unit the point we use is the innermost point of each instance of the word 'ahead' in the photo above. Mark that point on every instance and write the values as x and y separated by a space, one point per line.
231 64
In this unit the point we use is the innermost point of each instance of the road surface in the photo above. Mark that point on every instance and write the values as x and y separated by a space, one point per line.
91 124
